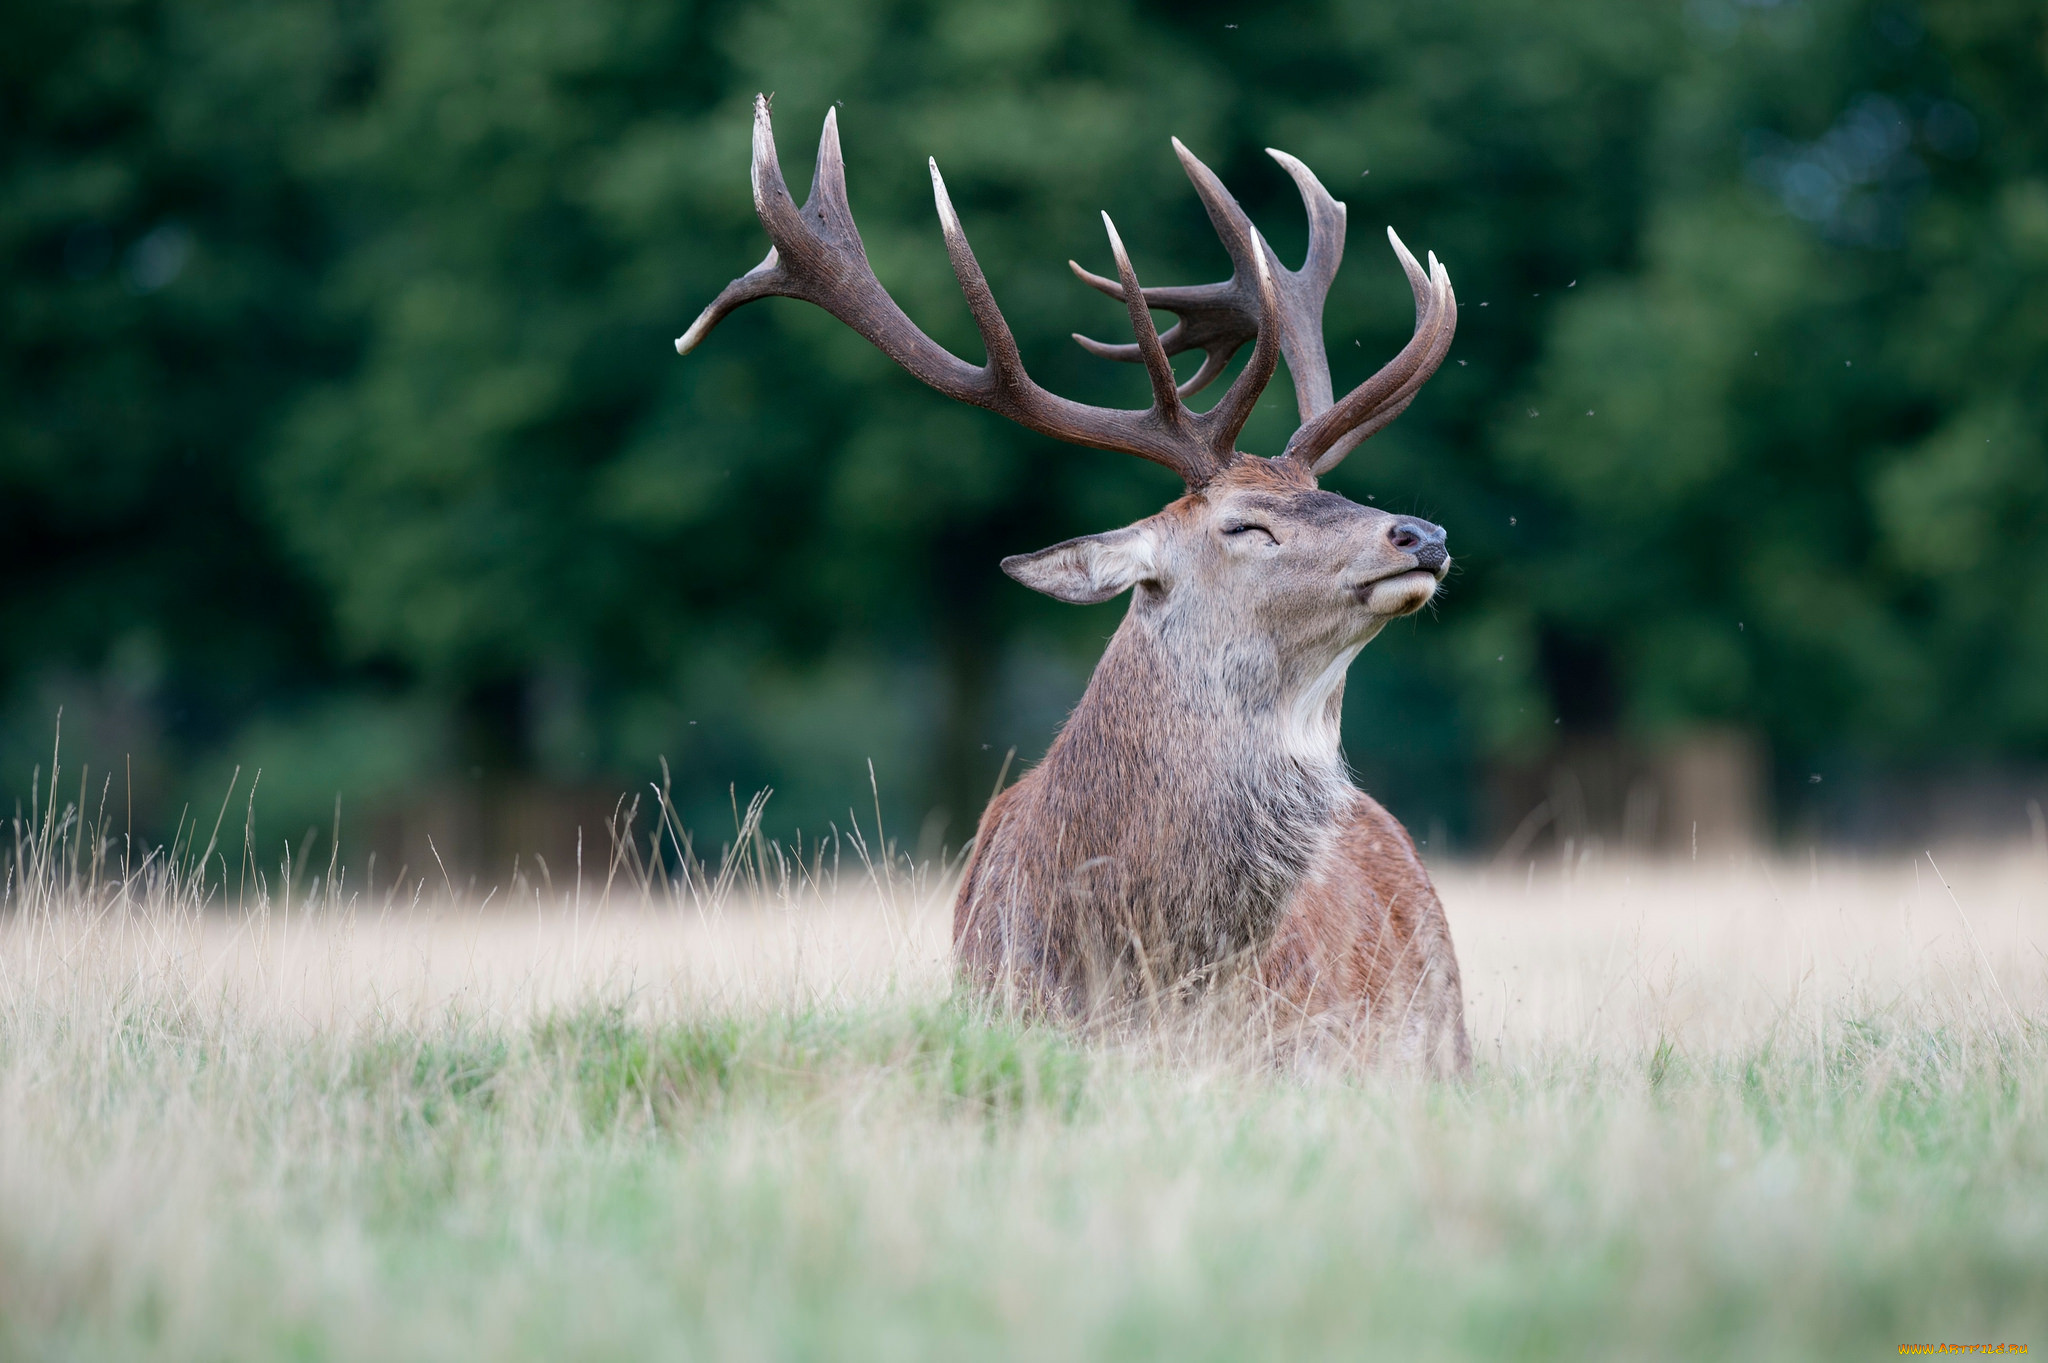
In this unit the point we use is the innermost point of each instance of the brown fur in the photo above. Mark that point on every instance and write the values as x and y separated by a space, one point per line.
1364 953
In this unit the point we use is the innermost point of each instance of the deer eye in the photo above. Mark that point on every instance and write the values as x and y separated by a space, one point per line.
1248 527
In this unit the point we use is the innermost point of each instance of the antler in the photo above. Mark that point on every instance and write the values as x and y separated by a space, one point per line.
1218 318
818 257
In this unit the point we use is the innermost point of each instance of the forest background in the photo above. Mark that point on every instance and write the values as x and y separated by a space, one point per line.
341 436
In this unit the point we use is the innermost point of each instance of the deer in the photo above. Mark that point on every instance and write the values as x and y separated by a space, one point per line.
1194 818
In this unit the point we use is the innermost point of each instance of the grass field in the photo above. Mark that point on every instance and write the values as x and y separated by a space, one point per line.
1743 1110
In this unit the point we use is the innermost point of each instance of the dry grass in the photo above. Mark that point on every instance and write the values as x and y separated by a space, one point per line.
1780 1110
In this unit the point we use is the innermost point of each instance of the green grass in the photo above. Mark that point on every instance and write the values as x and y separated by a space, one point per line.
919 1180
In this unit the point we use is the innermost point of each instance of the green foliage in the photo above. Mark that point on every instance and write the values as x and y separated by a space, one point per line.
1772 396
953 1051
616 1071
337 397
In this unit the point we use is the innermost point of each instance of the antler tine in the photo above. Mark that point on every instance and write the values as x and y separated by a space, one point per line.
1323 442
1302 338
1165 395
1326 220
1003 357
1440 280
763 281
779 214
1246 248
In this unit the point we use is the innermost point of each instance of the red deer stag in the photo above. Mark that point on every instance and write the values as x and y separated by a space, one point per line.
1195 811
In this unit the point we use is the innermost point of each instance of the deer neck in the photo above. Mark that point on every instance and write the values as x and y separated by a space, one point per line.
1202 776
1238 702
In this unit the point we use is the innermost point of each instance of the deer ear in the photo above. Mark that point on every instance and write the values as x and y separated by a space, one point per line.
1089 569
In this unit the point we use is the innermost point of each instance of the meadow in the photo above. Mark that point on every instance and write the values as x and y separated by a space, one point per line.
1736 1107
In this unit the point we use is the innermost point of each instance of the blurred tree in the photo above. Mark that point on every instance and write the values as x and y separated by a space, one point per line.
1809 418
585 542
355 318
160 258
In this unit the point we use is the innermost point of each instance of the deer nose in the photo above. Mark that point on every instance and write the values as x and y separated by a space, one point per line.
1418 537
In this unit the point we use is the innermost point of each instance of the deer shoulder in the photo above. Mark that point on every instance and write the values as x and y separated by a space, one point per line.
1363 956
